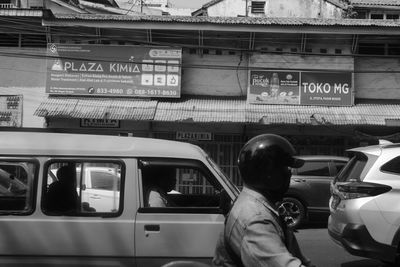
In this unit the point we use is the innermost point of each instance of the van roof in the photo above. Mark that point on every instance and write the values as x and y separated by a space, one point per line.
68 144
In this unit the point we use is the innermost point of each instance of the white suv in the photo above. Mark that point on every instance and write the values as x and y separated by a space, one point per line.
365 203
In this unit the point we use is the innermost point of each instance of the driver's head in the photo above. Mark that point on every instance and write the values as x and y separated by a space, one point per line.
264 163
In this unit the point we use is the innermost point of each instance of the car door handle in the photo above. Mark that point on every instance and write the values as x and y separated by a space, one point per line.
299 180
152 227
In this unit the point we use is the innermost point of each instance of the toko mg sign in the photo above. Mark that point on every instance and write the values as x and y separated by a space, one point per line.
301 88
99 70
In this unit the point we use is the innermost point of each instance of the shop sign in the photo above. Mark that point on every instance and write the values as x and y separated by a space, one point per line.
99 123
199 136
327 89
98 70
11 110
300 88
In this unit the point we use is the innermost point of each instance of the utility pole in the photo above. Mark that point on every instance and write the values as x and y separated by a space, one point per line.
247 8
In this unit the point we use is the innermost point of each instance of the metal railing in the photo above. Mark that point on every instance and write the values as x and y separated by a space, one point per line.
7 6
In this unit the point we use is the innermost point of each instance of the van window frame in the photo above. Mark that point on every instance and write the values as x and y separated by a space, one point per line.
33 192
178 162
82 160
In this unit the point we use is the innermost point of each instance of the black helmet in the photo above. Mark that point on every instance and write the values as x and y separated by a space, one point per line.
264 153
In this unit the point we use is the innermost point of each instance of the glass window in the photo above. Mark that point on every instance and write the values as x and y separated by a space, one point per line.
17 186
314 168
354 170
392 166
392 16
82 188
371 49
376 16
179 185
339 165
258 7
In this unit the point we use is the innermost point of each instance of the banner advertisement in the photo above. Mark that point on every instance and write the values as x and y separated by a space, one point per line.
11 110
300 88
273 87
110 70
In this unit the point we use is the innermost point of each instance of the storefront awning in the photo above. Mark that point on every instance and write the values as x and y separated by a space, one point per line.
97 108
216 110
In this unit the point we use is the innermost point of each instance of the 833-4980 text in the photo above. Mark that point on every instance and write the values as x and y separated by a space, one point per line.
113 91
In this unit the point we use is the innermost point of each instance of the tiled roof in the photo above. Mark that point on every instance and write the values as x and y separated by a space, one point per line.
215 110
256 21
97 108
374 3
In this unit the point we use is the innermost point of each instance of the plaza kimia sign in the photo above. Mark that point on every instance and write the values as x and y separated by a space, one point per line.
300 88
99 70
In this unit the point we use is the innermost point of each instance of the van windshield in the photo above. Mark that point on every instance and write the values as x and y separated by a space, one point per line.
222 175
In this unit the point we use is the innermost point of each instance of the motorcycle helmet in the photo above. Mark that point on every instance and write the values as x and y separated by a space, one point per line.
263 155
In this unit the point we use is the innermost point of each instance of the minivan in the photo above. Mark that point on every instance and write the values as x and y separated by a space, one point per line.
95 214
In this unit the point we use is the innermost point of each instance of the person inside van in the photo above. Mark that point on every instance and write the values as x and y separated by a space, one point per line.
158 181
61 195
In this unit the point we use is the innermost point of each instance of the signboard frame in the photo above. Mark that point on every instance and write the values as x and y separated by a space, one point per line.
324 88
112 70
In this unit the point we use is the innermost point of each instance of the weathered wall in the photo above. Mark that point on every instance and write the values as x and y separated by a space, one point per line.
219 75
281 8
24 75
377 78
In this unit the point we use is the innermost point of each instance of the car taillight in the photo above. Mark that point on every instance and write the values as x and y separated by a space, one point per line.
359 189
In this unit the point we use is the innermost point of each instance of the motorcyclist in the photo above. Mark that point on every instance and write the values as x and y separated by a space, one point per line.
254 233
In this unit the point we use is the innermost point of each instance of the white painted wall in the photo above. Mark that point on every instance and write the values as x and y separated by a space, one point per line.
281 8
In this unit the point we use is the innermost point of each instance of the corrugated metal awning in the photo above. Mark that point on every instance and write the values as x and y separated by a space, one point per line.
97 108
360 114
215 110
202 110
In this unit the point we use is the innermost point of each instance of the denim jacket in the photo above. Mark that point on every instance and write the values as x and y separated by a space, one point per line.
254 235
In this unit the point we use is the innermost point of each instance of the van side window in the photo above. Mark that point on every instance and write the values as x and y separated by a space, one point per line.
176 185
82 188
17 186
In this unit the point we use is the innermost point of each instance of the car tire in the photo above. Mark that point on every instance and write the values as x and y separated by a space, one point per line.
293 211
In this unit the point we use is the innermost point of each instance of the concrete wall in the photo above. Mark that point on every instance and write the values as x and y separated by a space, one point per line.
24 75
281 8
377 78
221 75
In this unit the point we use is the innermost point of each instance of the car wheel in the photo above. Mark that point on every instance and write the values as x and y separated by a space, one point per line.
293 211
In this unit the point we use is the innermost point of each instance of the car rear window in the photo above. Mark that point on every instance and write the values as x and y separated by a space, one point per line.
353 171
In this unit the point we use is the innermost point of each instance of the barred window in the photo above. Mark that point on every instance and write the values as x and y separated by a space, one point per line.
258 7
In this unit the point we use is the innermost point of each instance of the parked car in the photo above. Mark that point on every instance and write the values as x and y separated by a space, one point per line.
364 206
308 196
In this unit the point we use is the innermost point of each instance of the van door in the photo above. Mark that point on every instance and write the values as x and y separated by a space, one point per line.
186 222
